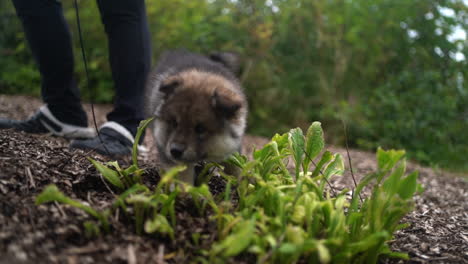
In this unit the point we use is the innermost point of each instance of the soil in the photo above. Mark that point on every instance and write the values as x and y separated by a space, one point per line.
54 233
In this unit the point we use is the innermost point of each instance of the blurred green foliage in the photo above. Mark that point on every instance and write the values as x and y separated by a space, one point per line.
385 67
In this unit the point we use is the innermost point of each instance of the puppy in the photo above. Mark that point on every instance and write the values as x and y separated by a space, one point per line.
199 107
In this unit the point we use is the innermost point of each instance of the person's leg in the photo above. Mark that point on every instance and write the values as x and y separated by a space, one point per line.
130 58
49 39
126 26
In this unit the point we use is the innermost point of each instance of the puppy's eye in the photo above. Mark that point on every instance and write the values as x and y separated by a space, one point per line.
200 129
173 123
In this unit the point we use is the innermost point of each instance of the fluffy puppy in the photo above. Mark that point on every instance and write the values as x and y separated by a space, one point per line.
199 107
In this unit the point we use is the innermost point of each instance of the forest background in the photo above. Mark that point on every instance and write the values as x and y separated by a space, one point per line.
395 71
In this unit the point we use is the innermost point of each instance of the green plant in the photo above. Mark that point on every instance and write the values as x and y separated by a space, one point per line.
292 218
276 212
52 194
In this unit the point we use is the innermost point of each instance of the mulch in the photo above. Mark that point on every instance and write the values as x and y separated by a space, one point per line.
54 233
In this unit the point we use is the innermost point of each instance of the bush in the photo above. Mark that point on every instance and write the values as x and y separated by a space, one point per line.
420 113
269 214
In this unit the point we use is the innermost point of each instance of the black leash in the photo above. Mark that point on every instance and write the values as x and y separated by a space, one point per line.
92 91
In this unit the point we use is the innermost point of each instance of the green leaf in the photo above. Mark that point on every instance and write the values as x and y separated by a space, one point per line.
170 175
114 164
49 194
314 143
141 128
399 255
323 253
202 191
238 241
296 143
132 169
227 191
295 235
137 188
276 153
281 140
138 198
390 185
386 160
159 224
237 160
408 186
298 214
336 167
52 194
263 153
110 175
366 180
402 226
288 248
326 157
368 242
91 229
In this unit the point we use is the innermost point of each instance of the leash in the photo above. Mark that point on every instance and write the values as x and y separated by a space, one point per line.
92 91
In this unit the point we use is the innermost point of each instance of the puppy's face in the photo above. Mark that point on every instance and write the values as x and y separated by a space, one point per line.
201 118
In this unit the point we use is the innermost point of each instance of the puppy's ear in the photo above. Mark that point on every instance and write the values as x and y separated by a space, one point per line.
226 103
230 60
168 86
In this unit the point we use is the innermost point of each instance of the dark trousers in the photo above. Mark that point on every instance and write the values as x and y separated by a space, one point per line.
49 38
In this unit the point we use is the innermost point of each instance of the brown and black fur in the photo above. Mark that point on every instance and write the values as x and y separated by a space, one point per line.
199 106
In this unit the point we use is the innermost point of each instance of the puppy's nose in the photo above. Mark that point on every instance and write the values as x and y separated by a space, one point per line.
177 150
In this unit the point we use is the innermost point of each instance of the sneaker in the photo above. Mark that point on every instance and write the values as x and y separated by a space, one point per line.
116 141
44 122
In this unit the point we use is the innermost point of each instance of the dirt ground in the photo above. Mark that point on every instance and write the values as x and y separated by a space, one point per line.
53 233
